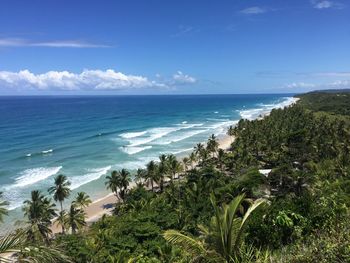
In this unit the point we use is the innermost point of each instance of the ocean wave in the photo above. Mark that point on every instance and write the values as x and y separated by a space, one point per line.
134 149
135 164
92 175
220 124
38 153
179 137
253 113
264 109
34 175
183 150
130 135
153 134
150 135
47 151
15 198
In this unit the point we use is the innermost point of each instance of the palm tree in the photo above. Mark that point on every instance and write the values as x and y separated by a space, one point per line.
40 211
112 182
152 175
118 182
16 244
163 169
186 162
61 220
203 155
60 190
223 238
221 158
193 159
125 180
3 209
198 149
82 200
175 166
212 145
231 131
75 218
140 176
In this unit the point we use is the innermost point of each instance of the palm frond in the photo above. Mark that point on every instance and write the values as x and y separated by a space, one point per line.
10 243
43 254
191 245
254 206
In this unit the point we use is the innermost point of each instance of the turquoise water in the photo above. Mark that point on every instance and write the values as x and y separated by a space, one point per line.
87 137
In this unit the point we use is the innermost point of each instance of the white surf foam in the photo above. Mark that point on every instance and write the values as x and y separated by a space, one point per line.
134 149
153 134
92 175
150 135
47 151
135 164
130 135
14 197
179 137
252 114
264 109
183 150
34 175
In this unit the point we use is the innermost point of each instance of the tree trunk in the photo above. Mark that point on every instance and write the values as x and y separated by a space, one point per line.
62 225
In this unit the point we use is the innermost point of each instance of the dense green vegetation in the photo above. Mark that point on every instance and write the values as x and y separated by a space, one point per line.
334 102
215 205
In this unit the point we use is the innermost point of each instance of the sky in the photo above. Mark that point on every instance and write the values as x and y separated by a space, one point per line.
173 47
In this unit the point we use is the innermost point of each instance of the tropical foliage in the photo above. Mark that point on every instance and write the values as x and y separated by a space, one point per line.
280 194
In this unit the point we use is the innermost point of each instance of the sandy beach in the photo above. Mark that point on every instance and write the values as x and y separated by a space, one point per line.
104 205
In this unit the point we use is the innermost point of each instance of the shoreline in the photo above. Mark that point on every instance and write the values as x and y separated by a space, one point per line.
104 205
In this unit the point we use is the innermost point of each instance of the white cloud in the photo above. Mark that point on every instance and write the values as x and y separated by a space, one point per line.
254 10
339 84
18 42
322 4
332 74
86 80
299 85
325 4
181 78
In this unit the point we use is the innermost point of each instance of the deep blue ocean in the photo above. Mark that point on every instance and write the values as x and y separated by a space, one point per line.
87 137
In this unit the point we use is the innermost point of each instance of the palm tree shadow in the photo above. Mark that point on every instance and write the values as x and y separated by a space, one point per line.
108 206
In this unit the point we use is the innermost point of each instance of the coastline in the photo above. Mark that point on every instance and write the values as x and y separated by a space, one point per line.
104 205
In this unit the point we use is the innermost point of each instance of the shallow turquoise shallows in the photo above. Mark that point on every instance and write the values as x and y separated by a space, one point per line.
87 137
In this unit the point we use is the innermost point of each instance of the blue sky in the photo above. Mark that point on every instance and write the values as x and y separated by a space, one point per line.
173 47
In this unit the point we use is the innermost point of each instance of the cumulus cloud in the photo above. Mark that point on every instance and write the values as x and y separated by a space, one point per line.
325 4
86 80
18 42
254 10
181 78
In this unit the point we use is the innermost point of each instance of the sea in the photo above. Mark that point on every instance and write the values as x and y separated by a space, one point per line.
86 137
